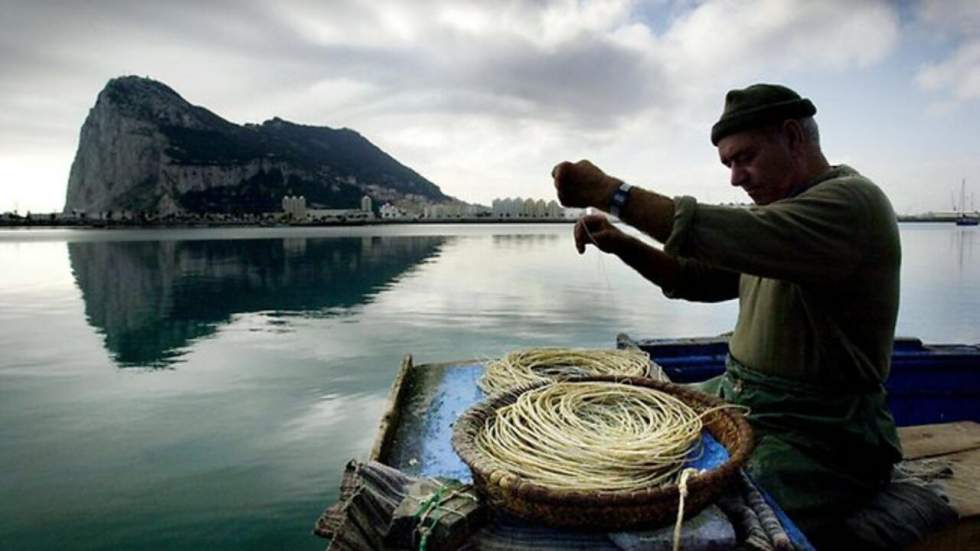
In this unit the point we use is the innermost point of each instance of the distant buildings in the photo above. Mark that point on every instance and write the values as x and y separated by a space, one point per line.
443 211
516 208
388 211
294 209
337 215
529 208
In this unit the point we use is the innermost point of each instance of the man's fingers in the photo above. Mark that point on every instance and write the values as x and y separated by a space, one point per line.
580 238
590 229
594 222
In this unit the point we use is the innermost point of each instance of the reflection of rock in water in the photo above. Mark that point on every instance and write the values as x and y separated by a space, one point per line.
150 298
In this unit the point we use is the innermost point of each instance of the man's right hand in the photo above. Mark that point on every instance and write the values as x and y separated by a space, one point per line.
583 184
595 229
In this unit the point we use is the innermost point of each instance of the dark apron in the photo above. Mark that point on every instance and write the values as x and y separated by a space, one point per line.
820 452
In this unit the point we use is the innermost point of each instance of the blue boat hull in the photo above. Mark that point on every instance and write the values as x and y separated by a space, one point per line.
928 383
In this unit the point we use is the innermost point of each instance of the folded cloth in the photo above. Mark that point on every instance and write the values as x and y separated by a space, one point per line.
707 531
898 516
369 493
434 515
743 518
386 489
760 525
912 506
382 508
508 533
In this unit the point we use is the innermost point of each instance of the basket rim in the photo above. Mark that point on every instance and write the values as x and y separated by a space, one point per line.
485 473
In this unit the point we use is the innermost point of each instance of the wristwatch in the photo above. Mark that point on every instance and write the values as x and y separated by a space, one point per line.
619 198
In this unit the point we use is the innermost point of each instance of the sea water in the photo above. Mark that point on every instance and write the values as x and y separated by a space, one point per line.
203 388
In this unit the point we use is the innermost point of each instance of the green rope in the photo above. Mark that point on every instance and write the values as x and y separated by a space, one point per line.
434 502
422 514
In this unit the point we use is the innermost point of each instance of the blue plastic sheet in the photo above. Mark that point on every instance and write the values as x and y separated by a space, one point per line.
458 391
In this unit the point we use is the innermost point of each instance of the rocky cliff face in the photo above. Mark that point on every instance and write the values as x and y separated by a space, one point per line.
144 148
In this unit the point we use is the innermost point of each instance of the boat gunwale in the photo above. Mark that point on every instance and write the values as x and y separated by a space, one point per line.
397 394
390 418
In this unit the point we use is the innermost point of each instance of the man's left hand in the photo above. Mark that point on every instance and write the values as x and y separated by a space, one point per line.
595 229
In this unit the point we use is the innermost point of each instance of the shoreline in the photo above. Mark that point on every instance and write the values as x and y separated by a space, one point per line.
121 224
117 224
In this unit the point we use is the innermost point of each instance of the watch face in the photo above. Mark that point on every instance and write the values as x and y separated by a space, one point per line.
619 199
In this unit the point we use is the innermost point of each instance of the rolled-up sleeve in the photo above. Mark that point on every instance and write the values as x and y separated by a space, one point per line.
814 237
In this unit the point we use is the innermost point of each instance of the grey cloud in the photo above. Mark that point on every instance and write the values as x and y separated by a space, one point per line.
592 81
591 78
955 78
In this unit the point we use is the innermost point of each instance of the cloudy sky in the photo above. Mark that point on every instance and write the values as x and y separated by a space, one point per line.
483 98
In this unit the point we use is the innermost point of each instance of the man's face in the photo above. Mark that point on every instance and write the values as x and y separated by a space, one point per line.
760 163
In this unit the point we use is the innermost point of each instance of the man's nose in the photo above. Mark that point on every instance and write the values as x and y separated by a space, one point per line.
738 176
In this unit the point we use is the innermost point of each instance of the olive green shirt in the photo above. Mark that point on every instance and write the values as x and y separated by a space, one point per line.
816 275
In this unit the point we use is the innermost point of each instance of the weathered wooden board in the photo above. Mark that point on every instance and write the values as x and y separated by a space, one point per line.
958 443
932 440
964 487
391 417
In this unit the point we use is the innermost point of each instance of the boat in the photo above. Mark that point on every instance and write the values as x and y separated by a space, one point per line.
967 220
962 217
934 393
928 383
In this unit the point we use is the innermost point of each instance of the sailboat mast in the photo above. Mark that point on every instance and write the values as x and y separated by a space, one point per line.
963 196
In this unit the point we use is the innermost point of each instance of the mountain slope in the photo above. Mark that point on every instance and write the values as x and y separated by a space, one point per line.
145 148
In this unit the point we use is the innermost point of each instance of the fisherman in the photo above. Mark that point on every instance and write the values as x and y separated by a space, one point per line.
815 267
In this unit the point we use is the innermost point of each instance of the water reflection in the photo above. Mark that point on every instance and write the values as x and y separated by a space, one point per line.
525 239
151 299
961 244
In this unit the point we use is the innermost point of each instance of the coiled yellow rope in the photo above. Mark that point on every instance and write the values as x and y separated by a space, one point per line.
548 364
593 436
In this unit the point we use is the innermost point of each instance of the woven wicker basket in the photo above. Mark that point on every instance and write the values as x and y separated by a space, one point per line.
608 510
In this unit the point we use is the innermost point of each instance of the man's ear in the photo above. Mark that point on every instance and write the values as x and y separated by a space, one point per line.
795 137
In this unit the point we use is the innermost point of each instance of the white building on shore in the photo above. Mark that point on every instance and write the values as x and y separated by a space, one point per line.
518 207
444 211
295 209
391 212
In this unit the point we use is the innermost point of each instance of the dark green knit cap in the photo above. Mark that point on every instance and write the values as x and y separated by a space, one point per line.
757 106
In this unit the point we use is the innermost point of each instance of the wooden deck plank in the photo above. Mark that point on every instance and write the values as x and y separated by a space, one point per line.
964 486
391 416
963 535
958 443
940 439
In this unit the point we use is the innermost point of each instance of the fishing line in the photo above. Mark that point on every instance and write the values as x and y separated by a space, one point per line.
601 265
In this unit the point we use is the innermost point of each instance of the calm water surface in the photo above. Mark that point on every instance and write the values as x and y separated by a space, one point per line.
204 388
